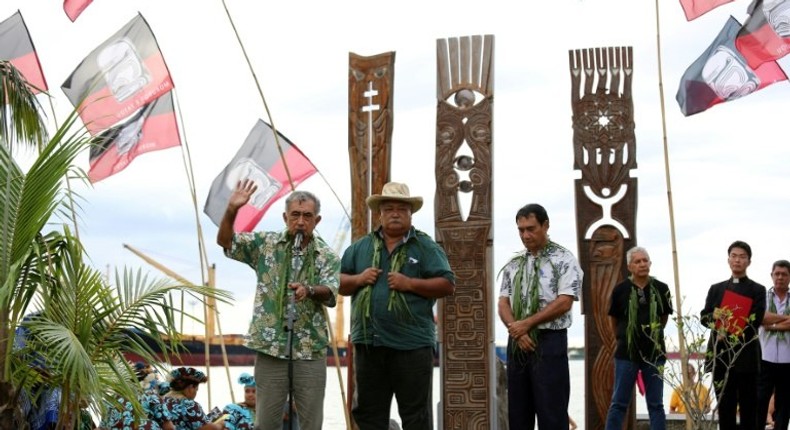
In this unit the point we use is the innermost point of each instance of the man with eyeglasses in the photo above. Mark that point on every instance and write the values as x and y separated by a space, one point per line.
639 309
297 273
734 310
395 274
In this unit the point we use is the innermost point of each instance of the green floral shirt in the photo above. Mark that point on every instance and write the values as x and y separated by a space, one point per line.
265 252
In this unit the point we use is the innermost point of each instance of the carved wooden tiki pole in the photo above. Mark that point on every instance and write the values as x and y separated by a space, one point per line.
370 88
465 92
604 147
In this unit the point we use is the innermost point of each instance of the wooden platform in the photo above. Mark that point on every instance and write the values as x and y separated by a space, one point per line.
674 421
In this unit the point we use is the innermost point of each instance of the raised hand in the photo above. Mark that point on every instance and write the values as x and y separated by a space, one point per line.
241 195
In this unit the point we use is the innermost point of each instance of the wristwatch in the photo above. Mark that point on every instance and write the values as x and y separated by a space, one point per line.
310 291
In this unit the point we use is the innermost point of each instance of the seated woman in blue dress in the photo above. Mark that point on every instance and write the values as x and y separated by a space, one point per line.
184 411
122 416
241 416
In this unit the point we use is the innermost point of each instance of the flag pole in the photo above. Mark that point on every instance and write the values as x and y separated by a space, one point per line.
290 181
670 206
260 91
204 264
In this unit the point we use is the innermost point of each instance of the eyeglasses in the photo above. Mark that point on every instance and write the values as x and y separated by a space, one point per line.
295 215
641 293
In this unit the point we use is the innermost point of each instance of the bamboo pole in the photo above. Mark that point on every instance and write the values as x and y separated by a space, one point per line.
670 206
206 309
290 181
263 99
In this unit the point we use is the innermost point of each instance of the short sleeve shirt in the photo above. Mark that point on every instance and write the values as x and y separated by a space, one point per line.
266 252
559 274
425 259
776 344
647 345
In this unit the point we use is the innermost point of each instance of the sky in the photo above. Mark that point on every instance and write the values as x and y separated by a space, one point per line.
727 166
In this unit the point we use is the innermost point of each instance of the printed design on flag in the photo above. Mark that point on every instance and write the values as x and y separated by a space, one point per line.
766 35
722 74
273 172
777 14
119 77
123 69
728 75
267 185
151 128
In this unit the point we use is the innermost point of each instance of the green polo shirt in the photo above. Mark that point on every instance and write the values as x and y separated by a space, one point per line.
424 259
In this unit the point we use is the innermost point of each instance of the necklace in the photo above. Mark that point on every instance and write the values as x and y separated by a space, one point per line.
632 326
306 272
397 300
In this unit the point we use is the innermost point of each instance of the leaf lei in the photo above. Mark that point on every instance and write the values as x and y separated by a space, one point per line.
520 310
397 300
632 330
772 308
306 272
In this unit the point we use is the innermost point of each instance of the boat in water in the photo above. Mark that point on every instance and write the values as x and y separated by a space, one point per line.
194 352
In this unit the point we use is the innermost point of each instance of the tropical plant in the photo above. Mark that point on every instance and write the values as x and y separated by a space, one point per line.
76 327
86 326
700 352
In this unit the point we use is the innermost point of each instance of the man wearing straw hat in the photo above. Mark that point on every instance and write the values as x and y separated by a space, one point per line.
292 266
395 275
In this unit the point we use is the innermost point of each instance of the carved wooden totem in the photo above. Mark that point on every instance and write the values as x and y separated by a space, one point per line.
370 87
604 147
465 92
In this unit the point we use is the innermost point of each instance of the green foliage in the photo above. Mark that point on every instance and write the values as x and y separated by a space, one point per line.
76 325
700 340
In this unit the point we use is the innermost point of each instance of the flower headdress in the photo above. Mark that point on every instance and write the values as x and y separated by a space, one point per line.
247 380
187 374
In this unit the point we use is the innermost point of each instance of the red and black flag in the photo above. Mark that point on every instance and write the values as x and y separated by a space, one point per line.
16 47
258 159
151 128
119 77
766 34
696 8
721 74
74 8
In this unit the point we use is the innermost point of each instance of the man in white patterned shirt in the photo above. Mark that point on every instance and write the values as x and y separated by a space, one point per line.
775 342
539 286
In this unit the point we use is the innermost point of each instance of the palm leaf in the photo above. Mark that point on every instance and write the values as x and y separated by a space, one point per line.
19 118
32 198
87 326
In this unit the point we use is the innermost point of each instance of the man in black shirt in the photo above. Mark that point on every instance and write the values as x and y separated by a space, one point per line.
639 309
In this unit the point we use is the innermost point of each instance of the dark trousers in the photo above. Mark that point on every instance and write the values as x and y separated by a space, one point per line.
382 372
737 397
539 383
774 379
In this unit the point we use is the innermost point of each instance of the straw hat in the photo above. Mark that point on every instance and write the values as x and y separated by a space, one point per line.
394 191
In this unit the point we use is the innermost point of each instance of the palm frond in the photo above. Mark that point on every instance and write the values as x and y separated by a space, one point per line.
20 118
31 199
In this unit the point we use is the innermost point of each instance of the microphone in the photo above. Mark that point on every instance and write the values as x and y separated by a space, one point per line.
298 237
